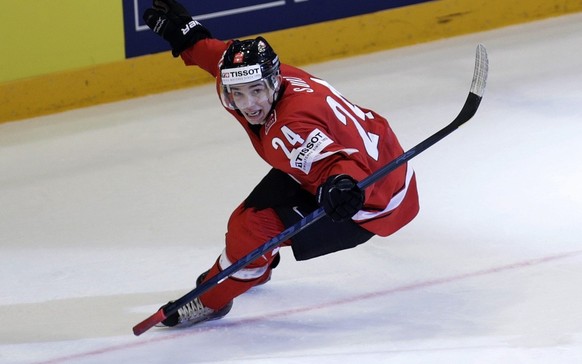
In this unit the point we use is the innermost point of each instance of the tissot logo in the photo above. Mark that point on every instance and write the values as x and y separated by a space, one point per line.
231 76
312 144
311 151
243 73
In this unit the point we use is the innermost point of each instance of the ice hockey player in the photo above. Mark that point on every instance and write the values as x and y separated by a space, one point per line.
318 144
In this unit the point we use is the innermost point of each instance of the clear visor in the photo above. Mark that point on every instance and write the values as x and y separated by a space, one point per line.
227 98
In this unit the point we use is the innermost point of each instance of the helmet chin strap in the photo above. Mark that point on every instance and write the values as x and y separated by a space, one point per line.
276 94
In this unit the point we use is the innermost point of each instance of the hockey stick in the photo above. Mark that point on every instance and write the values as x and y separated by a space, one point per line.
469 109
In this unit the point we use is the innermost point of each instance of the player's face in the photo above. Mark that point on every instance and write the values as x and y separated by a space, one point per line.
254 101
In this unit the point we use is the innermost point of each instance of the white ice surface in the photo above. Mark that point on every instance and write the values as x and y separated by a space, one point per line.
108 212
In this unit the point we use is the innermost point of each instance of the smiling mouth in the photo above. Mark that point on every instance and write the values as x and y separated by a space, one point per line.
254 114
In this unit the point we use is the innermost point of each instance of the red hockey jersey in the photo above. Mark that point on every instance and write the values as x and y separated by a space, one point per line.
315 132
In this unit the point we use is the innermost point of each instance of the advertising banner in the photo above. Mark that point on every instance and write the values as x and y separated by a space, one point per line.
228 19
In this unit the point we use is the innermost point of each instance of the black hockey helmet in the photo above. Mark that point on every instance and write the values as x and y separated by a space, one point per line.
248 61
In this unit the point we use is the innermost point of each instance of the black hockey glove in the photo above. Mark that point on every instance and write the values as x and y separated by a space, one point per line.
171 21
340 197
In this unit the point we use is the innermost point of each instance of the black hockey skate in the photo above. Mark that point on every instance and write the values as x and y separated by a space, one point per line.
194 312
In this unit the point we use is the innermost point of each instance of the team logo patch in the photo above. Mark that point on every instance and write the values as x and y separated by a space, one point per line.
238 58
261 47
272 120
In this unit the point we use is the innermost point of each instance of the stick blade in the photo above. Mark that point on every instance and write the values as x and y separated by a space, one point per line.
150 322
481 71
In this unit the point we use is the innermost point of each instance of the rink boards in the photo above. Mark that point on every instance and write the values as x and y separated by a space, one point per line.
101 51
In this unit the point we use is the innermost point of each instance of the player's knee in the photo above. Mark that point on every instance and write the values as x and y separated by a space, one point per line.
247 230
